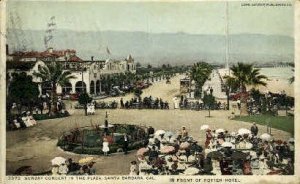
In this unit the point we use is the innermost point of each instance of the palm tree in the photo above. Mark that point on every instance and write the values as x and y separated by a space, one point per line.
243 75
200 72
55 75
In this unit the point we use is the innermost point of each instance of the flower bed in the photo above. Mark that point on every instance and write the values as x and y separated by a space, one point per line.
89 140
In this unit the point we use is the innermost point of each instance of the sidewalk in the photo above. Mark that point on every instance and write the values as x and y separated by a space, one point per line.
215 83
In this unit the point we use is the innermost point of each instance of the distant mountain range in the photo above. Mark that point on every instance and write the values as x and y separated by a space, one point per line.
157 48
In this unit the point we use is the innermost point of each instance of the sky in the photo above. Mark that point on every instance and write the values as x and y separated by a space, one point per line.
152 17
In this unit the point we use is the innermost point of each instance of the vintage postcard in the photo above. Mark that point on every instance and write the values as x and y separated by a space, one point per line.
149 91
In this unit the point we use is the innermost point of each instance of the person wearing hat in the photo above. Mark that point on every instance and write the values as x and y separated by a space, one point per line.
125 143
247 170
150 130
207 165
63 169
54 170
153 154
72 166
224 166
254 129
208 138
184 132
91 170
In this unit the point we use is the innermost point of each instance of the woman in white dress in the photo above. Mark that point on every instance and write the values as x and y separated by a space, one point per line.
105 147
30 119
26 121
134 168
63 169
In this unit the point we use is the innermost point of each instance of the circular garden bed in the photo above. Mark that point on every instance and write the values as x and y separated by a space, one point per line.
89 140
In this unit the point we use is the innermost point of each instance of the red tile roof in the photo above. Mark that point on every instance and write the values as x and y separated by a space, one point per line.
47 53
75 59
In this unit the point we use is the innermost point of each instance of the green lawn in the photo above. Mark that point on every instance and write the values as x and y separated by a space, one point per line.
285 123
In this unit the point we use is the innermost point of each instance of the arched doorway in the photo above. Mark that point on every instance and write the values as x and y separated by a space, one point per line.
92 87
67 88
80 87
98 86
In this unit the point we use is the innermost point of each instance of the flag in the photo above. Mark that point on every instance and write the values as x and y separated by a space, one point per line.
107 50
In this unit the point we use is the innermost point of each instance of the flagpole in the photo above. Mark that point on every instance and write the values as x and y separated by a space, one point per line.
226 39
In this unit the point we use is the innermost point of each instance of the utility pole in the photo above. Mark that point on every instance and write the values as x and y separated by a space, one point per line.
226 38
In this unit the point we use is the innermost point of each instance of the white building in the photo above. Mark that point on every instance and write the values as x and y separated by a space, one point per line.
88 74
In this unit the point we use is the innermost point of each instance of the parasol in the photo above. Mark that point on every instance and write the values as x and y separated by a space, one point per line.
142 151
233 134
167 149
291 140
204 127
243 131
220 130
227 145
159 132
184 145
58 161
266 137
169 134
249 145
191 171
86 160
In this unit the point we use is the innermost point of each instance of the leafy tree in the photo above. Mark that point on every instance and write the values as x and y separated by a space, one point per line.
242 75
138 65
54 74
149 66
84 99
208 100
22 91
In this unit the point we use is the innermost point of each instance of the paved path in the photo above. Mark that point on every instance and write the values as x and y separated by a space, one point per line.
215 83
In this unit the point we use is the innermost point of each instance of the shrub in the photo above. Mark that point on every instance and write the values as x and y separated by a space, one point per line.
46 116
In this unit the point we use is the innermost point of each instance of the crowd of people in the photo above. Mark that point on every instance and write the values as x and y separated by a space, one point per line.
145 103
61 166
269 102
224 153
98 105
185 103
22 121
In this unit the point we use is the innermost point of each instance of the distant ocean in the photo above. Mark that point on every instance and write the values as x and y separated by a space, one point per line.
278 73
